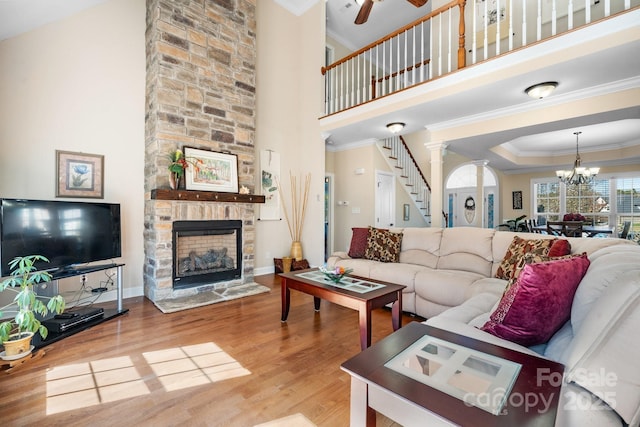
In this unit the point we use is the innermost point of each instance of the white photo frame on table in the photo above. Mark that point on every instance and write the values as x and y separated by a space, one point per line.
211 171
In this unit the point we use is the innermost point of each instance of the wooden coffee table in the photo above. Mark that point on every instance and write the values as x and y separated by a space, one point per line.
364 300
377 386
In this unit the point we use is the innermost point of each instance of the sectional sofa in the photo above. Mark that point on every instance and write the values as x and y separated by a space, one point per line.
451 281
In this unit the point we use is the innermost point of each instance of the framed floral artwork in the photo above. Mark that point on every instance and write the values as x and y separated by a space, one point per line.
211 171
79 175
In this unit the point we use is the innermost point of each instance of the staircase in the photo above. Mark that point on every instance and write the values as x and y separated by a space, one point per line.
400 160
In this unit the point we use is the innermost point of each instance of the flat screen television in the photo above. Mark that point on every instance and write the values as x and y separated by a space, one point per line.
67 233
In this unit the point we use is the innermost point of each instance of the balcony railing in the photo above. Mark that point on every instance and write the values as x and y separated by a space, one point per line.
439 43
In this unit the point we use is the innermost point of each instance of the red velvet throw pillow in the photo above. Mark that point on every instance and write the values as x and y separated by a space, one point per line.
539 303
560 247
358 242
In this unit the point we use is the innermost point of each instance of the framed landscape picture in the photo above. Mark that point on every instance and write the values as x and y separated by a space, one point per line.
79 175
211 171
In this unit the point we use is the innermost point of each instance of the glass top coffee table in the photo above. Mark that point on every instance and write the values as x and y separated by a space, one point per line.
421 375
357 293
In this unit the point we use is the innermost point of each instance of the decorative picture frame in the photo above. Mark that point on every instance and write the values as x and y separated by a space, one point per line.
211 171
517 199
495 18
79 175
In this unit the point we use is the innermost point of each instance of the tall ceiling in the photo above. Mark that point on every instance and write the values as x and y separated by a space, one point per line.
618 130
20 16
610 137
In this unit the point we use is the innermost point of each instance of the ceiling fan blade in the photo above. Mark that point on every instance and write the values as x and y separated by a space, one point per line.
418 3
364 12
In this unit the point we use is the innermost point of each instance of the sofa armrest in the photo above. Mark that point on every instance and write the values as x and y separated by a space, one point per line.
337 256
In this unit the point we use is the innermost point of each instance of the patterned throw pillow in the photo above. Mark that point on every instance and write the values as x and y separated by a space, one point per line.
539 303
516 251
531 258
358 245
383 245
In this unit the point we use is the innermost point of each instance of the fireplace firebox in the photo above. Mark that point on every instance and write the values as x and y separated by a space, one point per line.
206 252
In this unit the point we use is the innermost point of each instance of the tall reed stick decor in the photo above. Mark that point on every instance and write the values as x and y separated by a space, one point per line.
295 221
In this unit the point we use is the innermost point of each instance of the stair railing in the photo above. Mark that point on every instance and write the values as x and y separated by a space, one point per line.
438 44
401 59
401 159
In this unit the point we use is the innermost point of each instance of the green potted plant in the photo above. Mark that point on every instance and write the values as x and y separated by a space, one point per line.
16 334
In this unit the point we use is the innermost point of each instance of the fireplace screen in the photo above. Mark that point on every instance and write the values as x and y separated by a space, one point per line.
206 252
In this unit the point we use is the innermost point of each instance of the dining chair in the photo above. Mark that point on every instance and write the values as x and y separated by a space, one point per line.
555 228
625 229
529 225
572 228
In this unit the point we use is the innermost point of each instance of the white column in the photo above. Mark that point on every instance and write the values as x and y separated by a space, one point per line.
436 149
479 220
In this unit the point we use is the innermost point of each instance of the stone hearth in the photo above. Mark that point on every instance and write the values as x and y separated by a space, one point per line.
200 93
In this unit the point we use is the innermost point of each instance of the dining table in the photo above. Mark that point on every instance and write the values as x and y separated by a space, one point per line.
587 230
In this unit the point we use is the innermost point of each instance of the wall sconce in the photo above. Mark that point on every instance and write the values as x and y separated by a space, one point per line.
541 90
395 127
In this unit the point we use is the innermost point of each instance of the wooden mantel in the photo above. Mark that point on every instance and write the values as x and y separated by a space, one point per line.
205 196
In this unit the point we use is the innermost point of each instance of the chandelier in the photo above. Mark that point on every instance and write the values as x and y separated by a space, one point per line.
578 175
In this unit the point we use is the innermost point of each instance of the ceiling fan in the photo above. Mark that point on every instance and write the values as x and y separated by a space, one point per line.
365 9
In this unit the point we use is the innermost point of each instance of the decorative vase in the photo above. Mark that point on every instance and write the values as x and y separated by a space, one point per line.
174 180
286 264
296 250
17 345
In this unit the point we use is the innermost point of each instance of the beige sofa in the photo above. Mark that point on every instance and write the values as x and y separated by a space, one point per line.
444 267
449 278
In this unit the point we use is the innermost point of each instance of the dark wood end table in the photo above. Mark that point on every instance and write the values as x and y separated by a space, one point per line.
532 401
363 302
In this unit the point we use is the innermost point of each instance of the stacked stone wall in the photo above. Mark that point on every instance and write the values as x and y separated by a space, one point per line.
200 93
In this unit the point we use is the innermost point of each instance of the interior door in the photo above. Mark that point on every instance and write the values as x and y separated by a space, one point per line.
385 200
328 215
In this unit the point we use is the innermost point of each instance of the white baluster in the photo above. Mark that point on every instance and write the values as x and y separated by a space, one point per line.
440 45
524 23
539 21
450 42
474 29
587 12
413 74
422 68
498 13
485 24
511 25
554 15
570 15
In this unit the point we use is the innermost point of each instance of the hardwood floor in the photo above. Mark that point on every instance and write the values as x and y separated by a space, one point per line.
294 367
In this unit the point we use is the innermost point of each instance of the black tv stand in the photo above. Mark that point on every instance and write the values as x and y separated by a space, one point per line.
78 270
108 313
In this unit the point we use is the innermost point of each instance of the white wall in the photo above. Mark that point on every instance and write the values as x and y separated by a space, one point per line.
289 102
78 84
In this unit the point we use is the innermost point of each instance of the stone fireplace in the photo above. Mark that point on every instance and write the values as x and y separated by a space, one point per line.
206 252
200 92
